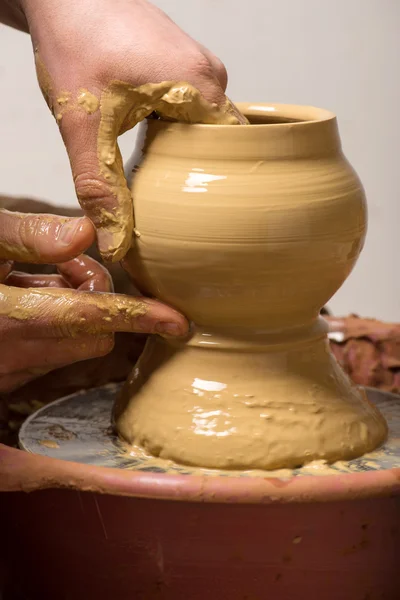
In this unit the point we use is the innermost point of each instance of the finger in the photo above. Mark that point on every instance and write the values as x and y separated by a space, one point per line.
43 238
25 280
218 67
39 356
50 312
5 269
85 273
97 167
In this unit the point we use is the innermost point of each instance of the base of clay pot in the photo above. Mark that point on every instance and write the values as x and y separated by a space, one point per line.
266 401
77 429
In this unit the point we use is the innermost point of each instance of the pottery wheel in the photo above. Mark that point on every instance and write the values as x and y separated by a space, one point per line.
77 428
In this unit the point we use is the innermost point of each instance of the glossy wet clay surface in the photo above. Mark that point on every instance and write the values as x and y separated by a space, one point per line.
256 227
77 428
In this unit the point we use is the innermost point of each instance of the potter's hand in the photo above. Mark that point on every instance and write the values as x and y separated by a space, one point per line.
47 321
84 50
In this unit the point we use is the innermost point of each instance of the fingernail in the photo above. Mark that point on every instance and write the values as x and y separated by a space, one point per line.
168 329
68 231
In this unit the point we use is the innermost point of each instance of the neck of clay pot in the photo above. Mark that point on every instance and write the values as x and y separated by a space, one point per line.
242 339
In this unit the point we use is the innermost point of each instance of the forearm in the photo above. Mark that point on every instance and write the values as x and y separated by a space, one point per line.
12 14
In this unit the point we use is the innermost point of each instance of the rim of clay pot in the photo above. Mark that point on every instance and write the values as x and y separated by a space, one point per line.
267 114
279 115
277 131
21 471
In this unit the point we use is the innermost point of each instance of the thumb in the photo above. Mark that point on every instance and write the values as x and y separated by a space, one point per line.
90 131
98 171
43 239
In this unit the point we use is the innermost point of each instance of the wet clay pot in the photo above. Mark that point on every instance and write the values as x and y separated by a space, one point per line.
249 231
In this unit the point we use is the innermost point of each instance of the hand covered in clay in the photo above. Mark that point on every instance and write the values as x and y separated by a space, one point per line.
97 61
48 321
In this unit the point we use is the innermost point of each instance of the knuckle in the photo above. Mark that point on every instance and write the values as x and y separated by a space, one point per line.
203 74
26 231
89 187
29 229
220 72
93 195
52 312
199 66
102 282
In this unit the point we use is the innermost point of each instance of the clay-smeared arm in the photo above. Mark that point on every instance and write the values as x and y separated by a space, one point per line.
47 321
95 60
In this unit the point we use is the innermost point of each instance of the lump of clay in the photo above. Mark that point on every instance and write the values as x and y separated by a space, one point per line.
368 350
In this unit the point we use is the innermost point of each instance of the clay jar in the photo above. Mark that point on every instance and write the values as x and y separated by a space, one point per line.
249 231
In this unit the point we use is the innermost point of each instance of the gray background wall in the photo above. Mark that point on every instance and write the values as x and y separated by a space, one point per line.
340 54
